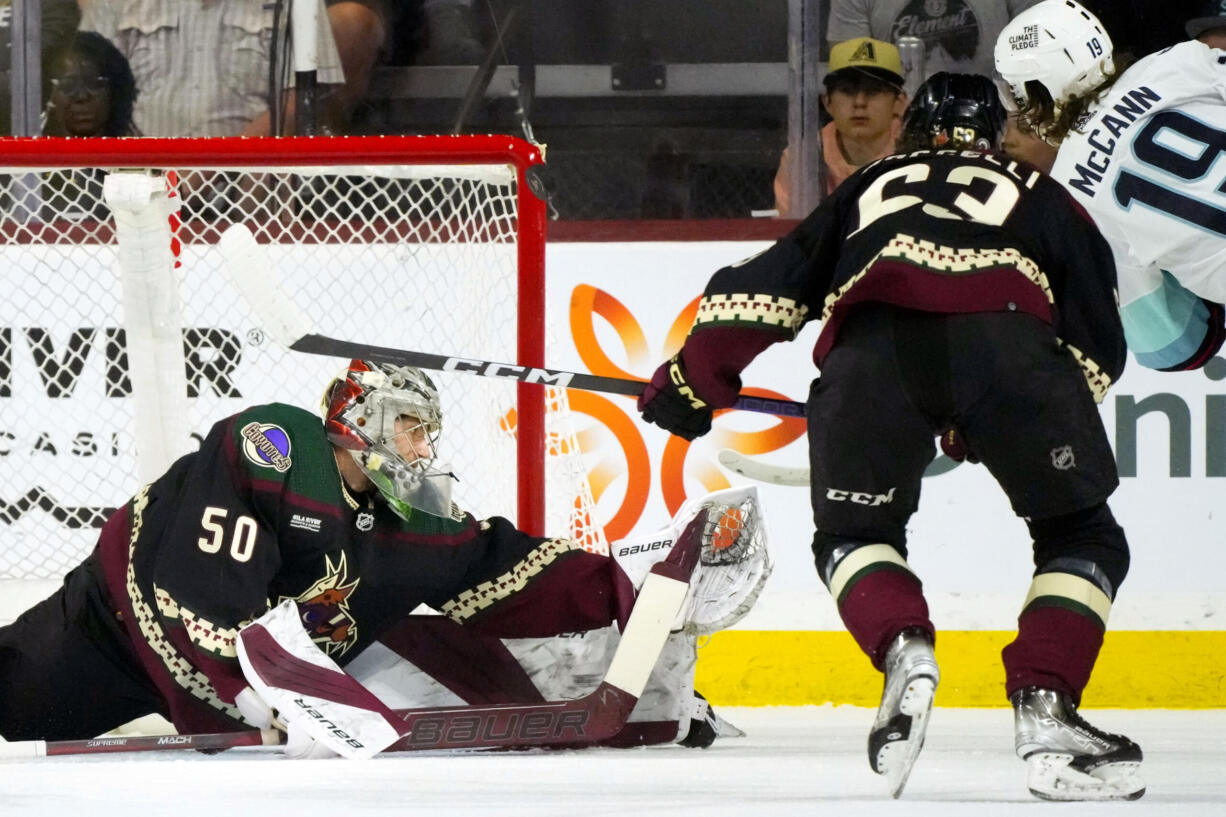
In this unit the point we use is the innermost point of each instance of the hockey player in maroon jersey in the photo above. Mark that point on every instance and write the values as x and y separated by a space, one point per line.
959 293
350 518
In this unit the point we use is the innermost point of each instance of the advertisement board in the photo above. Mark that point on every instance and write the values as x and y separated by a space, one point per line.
627 306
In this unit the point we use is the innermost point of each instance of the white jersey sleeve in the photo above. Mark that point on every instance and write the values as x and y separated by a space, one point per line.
1150 167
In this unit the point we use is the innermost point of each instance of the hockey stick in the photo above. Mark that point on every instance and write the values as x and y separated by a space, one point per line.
211 742
250 271
746 466
581 721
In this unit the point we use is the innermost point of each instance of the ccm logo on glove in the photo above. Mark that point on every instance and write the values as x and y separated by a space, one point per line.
671 403
678 377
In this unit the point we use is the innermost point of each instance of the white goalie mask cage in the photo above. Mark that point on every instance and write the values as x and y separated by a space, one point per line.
389 419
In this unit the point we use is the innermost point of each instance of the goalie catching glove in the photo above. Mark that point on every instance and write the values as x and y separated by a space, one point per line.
733 565
670 402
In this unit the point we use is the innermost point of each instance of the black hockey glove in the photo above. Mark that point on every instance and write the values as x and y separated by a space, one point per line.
670 402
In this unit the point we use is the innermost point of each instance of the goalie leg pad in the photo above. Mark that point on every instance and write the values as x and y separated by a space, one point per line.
309 691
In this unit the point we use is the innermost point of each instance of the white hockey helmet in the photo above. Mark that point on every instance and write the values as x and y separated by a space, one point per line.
1057 43
367 409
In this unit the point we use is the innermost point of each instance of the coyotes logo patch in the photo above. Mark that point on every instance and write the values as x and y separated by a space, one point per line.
324 608
267 445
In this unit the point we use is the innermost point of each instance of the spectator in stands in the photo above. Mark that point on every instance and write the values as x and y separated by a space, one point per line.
202 69
450 38
59 21
362 31
367 32
865 99
958 35
92 96
92 90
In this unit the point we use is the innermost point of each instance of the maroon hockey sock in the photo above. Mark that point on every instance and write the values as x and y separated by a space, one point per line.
877 606
1055 649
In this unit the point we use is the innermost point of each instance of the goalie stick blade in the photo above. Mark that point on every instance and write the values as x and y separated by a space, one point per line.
738 463
580 722
251 272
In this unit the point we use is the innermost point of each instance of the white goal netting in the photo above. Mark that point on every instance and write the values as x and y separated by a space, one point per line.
121 341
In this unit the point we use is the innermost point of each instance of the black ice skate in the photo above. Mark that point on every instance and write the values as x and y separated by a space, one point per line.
706 725
911 677
1067 758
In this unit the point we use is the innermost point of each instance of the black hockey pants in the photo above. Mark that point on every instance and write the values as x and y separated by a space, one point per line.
67 669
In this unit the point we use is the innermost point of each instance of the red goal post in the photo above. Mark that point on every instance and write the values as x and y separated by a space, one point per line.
119 338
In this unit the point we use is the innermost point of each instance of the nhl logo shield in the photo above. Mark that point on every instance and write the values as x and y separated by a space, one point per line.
1062 458
364 521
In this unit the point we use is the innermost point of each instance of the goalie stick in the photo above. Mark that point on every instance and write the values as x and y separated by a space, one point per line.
209 742
250 271
578 722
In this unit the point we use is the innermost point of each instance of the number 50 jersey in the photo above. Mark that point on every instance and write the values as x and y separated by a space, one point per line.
1149 164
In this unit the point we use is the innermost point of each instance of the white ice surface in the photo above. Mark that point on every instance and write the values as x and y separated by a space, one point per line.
794 761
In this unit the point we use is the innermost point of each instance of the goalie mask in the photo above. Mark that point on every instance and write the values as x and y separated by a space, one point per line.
388 418
955 111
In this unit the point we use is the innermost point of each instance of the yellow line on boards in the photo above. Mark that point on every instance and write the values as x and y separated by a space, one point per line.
1169 669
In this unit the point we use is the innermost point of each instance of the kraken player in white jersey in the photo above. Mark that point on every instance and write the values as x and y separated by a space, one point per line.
1145 153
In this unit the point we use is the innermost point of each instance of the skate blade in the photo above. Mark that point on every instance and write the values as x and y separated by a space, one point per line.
896 758
1049 777
724 729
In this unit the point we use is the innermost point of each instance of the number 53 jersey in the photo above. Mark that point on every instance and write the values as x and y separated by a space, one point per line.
942 231
1149 164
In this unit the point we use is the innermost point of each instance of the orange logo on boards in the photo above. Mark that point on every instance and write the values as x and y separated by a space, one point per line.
612 441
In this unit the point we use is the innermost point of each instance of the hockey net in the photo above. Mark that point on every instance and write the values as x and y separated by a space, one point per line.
121 342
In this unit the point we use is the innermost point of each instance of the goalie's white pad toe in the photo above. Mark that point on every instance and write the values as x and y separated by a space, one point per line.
1049 777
